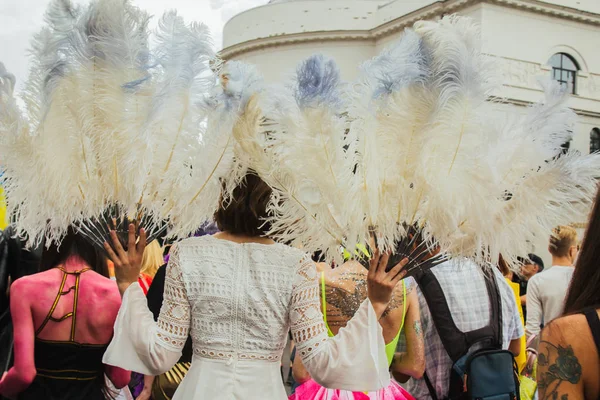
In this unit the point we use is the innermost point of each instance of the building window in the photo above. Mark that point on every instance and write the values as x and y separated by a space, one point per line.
595 140
564 70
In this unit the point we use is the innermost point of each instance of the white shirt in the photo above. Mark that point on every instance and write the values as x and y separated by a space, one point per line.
465 291
238 302
546 293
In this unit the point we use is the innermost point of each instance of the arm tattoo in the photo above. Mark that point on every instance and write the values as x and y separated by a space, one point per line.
559 364
417 328
397 301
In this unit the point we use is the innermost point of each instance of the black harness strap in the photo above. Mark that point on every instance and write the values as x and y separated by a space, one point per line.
456 342
594 322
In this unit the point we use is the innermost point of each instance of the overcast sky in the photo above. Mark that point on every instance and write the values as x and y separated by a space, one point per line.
20 19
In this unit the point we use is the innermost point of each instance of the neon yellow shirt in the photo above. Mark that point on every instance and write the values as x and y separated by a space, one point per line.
390 348
3 219
522 357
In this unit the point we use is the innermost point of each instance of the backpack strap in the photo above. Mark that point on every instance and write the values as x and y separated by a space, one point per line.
430 387
456 342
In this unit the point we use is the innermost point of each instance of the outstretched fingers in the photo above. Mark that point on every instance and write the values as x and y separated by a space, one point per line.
116 244
111 254
141 245
398 272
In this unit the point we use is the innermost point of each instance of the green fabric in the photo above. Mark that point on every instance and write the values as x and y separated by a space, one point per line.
359 247
325 304
528 388
390 348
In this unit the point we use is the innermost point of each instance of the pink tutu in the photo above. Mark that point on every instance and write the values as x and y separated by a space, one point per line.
311 390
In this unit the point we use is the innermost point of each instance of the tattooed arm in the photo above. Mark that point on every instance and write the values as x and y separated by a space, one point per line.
411 363
559 368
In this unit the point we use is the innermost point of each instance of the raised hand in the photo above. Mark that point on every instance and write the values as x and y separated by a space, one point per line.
127 263
381 284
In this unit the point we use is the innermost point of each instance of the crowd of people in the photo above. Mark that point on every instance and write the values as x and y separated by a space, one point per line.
228 299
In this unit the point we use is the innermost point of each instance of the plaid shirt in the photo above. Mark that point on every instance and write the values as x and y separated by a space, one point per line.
466 294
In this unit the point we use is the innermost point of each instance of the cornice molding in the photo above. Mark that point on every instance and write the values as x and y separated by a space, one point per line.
295 38
431 11
524 103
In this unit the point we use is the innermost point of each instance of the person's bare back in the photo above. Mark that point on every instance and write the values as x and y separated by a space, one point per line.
98 303
346 289
63 320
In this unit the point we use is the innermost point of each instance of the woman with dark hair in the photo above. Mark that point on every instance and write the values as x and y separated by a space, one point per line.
63 319
238 294
569 351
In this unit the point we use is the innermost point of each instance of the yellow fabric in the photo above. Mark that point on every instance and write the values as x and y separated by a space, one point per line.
527 388
522 357
3 219
325 304
390 348
359 248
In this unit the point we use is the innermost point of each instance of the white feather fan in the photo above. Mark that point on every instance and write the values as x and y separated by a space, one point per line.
424 151
112 125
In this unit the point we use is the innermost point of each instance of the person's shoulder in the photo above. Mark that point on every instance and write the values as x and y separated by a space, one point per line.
39 278
100 283
537 278
569 323
571 330
21 285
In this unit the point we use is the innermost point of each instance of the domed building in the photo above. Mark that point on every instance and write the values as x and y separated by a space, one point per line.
529 38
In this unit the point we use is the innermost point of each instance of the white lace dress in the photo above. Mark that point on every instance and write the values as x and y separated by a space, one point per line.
238 302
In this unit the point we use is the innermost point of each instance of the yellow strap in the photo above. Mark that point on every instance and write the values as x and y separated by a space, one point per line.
49 316
324 303
403 305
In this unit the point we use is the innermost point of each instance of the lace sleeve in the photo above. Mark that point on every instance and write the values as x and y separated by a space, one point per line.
140 344
352 360
174 319
308 328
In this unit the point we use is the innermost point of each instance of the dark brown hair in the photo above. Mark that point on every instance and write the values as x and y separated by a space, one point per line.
245 211
584 291
503 266
74 244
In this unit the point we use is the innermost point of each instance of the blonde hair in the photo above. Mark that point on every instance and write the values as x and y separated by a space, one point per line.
562 239
152 258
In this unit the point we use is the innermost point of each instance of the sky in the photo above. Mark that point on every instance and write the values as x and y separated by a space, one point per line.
20 19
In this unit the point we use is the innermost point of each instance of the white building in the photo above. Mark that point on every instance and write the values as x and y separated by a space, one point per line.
530 38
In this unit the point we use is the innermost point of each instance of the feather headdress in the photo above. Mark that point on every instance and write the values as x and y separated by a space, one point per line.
112 124
423 162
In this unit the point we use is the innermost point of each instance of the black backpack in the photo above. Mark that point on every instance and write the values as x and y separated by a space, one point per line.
489 373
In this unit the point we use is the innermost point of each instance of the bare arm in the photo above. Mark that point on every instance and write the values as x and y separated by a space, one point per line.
524 300
515 346
559 368
299 371
146 393
118 376
22 374
411 363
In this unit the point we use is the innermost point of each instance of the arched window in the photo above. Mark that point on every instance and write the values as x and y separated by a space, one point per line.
564 70
595 140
